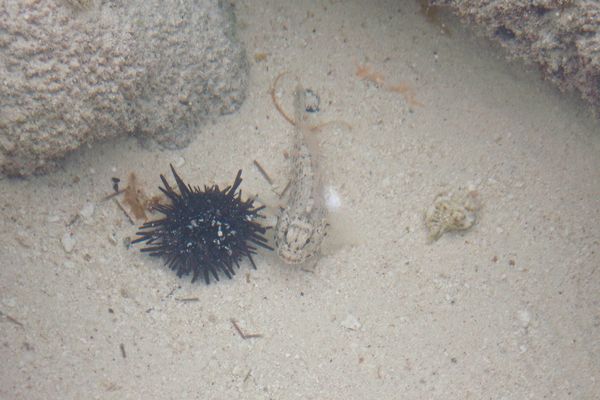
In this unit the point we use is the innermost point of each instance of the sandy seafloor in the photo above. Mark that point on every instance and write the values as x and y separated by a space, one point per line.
507 310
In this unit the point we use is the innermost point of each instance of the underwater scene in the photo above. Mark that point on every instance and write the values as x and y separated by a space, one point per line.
299 199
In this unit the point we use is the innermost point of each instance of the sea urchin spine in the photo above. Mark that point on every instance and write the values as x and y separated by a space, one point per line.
204 231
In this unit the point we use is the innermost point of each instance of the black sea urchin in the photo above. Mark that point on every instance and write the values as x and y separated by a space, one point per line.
204 231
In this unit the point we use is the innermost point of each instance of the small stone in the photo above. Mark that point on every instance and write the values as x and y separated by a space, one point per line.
351 323
523 348
68 242
524 317
178 162
53 218
112 238
87 211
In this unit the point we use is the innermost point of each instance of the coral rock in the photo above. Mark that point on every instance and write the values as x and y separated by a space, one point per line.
561 36
77 71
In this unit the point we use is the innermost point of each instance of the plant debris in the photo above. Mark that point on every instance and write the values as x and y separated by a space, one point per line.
364 72
242 334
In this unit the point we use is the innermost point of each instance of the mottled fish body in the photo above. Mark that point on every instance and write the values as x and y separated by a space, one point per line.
301 226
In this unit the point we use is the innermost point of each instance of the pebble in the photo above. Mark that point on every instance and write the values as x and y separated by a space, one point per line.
53 218
87 211
178 162
523 348
524 317
68 242
112 238
351 323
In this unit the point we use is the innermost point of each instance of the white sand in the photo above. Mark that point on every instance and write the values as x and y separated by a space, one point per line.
507 310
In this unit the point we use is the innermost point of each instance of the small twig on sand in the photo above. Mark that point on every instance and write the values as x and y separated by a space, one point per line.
110 196
118 203
242 334
11 319
187 299
285 189
263 172
122 347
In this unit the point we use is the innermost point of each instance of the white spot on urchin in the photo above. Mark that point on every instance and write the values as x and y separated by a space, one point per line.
333 200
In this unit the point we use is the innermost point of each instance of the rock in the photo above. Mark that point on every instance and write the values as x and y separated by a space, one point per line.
561 37
87 211
351 323
524 318
178 162
76 71
112 238
68 242
53 218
